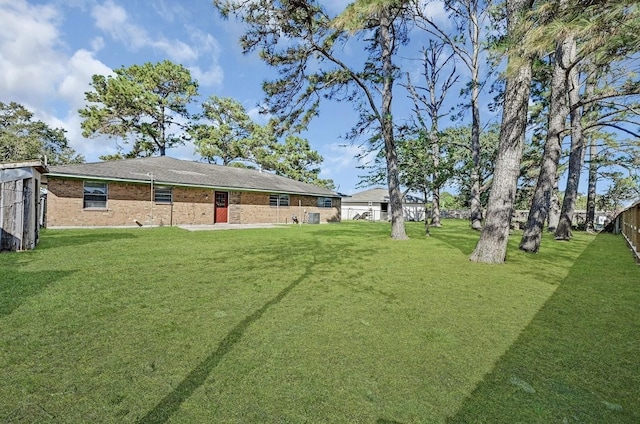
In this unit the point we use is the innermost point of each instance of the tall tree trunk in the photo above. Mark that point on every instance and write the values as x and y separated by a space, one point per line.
589 89
427 232
393 180
554 208
162 143
492 245
558 111
593 180
435 151
576 159
435 206
476 205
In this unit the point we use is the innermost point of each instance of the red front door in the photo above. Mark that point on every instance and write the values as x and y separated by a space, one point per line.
222 207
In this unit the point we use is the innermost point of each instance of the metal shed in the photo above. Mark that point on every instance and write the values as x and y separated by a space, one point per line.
20 204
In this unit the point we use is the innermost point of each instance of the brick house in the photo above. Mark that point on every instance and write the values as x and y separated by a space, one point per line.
167 191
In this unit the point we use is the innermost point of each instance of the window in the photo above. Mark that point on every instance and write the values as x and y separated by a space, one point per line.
279 200
95 195
325 202
163 194
222 199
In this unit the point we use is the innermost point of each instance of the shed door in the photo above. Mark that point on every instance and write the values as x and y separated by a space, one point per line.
222 207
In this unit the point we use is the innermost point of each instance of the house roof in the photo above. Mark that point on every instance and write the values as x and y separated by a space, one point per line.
377 195
170 171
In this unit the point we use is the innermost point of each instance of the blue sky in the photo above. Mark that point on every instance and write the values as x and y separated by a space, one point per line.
50 49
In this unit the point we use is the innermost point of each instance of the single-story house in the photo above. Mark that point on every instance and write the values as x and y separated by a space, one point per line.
20 204
167 191
373 204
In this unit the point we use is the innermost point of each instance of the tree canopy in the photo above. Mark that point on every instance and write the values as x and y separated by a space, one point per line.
23 138
224 133
145 105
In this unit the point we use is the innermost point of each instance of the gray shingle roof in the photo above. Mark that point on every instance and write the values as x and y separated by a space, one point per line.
377 195
172 171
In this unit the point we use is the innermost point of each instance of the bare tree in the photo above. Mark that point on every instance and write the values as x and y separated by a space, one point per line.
466 43
430 98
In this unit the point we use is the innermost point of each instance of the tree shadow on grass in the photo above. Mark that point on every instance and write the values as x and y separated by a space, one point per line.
17 286
196 378
353 228
171 403
73 237
579 358
464 241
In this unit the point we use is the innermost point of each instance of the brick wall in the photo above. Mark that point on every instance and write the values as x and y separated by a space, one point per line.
251 207
129 202
126 203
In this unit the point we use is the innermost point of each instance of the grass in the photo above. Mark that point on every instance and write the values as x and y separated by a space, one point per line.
332 323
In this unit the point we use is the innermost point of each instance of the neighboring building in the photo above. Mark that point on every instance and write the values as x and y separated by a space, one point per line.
167 191
20 204
373 204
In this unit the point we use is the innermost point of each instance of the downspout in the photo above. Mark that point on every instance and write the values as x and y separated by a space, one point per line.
151 214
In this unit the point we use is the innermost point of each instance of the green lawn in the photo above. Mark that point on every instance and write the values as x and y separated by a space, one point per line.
317 324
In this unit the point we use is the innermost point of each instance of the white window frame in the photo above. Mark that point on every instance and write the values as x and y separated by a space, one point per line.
163 195
96 202
325 202
279 200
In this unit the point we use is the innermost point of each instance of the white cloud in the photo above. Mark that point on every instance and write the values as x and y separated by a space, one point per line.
256 116
30 52
38 72
207 46
97 44
80 68
90 148
171 10
434 10
109 17
175 49
113 19
353 154
185 152
341 162
208 77
206 43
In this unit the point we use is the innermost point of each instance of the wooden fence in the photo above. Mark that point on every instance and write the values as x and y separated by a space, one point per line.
628 224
